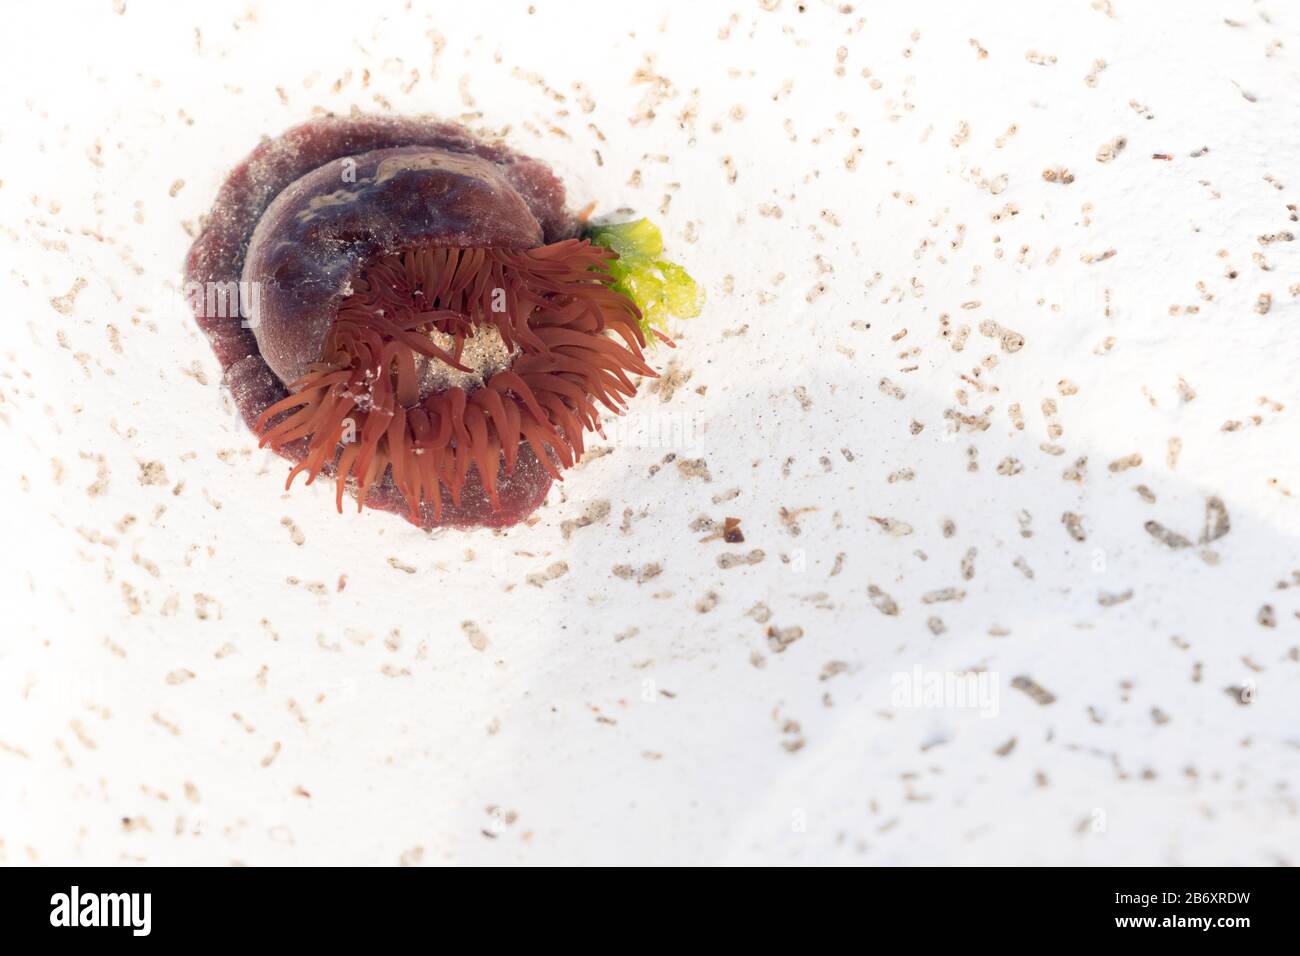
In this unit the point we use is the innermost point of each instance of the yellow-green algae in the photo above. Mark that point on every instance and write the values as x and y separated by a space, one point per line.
661 289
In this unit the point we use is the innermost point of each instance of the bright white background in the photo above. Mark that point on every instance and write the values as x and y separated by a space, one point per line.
198 668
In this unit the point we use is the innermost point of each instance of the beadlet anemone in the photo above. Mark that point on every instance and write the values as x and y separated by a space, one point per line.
413 312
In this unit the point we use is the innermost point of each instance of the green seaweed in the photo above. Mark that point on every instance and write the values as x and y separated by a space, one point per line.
660 288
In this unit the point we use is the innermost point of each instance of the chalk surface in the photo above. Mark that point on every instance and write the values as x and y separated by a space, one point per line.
998 373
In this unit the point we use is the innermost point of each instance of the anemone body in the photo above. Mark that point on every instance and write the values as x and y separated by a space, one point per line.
367 252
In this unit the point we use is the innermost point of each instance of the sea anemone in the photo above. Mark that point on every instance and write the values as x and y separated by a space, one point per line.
412 312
